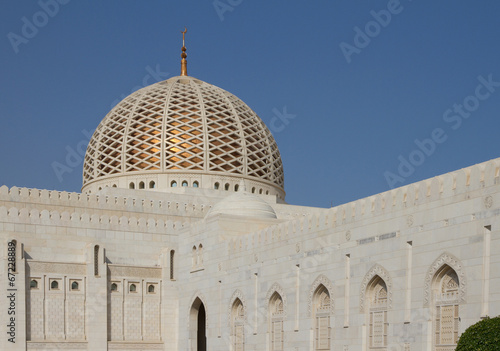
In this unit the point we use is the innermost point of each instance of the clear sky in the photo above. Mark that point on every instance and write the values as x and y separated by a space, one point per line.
352 90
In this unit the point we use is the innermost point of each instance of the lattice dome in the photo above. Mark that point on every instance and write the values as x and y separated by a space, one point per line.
183 126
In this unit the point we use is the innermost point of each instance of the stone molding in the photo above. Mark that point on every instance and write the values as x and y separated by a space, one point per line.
238 294
320 280
277 288
445 259
376 270
133 271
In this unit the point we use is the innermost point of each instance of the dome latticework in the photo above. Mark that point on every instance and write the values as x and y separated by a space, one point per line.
183 125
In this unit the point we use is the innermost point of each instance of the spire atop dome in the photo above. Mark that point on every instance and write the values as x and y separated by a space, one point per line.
184 55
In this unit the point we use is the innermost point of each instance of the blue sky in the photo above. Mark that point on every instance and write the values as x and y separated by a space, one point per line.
361 81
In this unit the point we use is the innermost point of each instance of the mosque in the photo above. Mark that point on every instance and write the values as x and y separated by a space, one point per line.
181 239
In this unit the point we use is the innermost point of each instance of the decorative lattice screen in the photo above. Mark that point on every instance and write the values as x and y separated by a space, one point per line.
183 124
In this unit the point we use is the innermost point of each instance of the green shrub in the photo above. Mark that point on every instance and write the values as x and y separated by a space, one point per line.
482 336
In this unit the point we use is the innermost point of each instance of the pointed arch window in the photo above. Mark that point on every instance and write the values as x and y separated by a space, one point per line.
445 290
238 325
321 310
276 314
377 300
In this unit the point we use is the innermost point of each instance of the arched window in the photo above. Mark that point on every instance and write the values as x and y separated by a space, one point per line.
376 295
131 185
238 325
96 260
267 192
114 287
74 286
321 311
114 185
172 253
194 254
445 294
260 191
195 184
226 186
276 314
200 255
54 285
33 284
173 184
141 185
133 288
152 184
216 186
253 190
151 289
236 187
184 183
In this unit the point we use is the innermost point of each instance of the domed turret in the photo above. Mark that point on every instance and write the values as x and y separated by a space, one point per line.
183 132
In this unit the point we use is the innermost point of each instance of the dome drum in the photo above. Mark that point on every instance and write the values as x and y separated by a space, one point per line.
172 182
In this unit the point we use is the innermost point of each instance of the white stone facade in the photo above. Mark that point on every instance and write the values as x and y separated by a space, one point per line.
408 269
182 240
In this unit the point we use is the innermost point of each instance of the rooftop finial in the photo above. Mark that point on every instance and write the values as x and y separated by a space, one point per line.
184 71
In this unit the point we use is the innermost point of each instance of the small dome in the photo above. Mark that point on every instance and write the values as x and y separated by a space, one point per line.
182 129
244 204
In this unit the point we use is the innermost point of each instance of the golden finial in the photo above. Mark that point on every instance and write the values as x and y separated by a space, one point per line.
184 71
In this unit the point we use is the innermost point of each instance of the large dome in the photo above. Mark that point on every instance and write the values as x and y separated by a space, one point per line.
185 132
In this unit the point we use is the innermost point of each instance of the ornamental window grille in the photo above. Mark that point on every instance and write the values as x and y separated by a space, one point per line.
321 310
378 326
276 314
446 303
141 185
238 325
173 184
131 185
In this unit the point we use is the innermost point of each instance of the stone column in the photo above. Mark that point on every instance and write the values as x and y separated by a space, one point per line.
96 304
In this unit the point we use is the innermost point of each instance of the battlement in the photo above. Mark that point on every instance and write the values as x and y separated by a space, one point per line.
446 186
86 221
103 202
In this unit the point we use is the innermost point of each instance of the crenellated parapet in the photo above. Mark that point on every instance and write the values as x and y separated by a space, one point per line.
84 220
480 178
62 201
